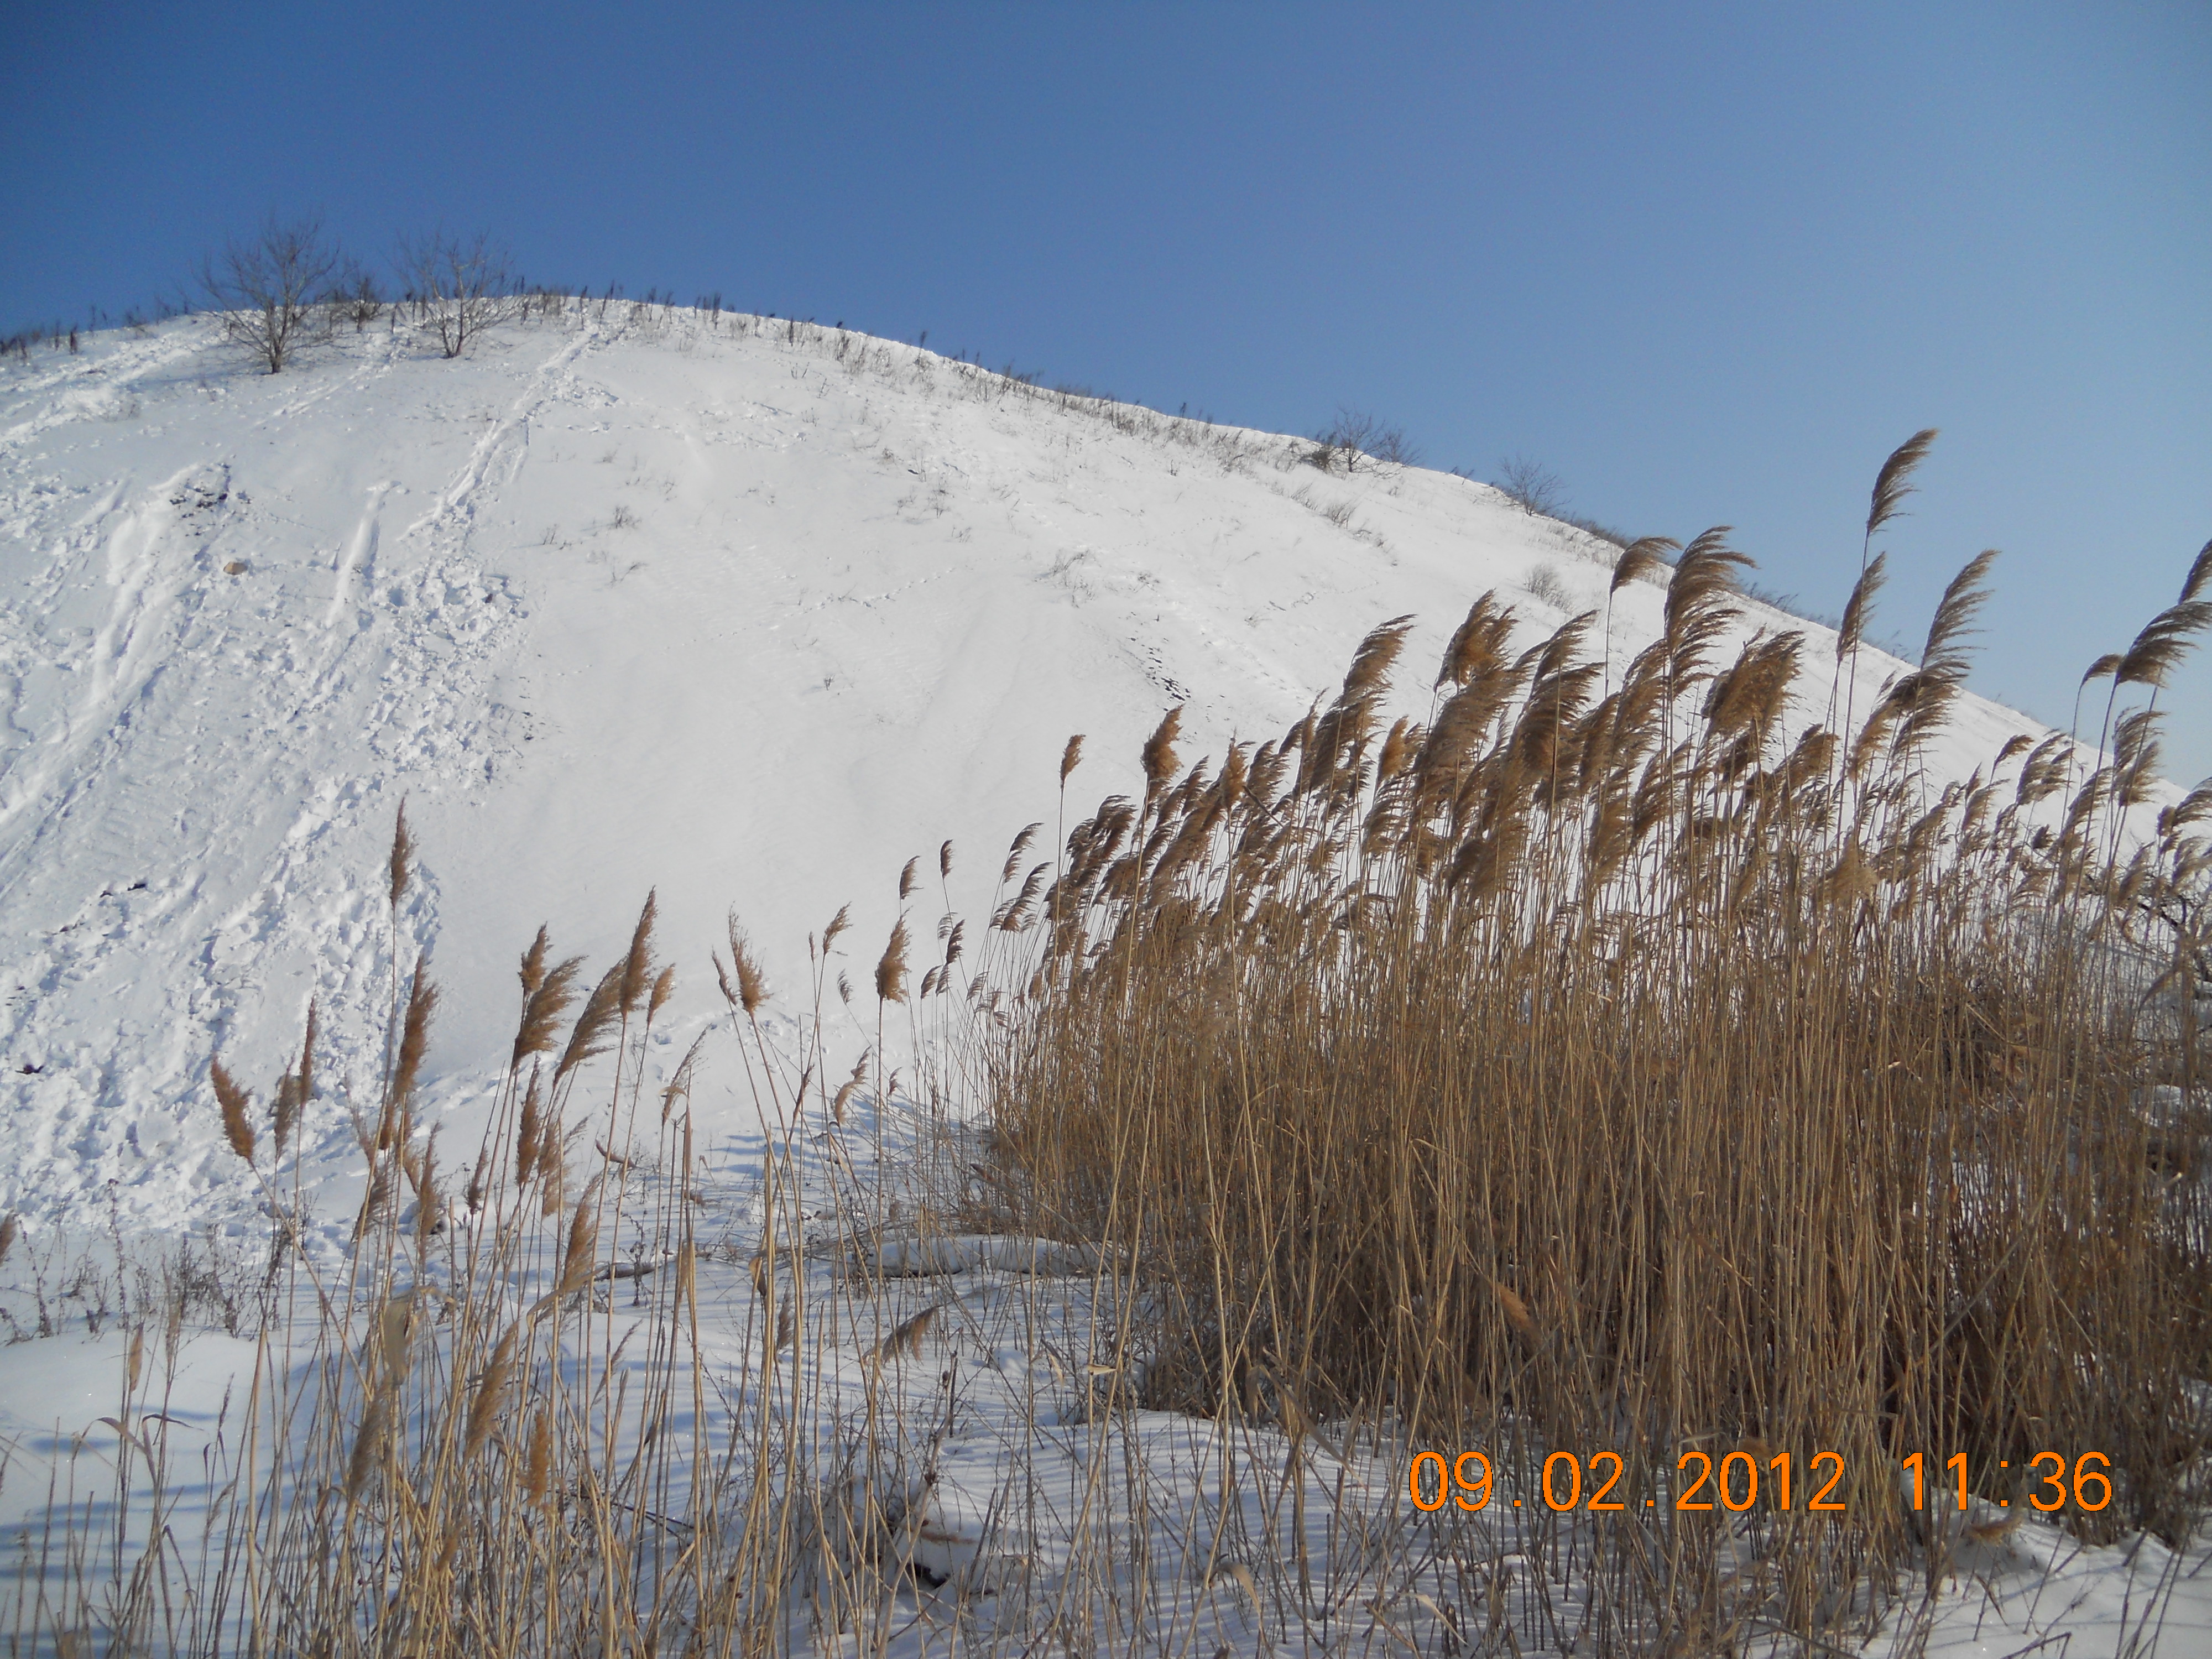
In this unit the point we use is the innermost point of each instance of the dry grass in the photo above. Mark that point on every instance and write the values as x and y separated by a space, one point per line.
457 1438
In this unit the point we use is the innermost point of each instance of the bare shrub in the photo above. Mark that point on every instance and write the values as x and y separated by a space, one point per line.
1544 584
267 287
1532 486
461 286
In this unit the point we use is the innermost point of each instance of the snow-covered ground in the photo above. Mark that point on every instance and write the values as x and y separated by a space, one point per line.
613 605
646 600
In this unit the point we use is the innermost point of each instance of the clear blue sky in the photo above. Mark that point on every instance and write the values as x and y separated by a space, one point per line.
1709 263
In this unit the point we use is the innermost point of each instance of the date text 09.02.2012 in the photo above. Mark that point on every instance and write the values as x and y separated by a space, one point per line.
1465 1481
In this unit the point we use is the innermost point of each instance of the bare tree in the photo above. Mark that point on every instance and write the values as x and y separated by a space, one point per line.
1355 435
1532 486
267 287
463 287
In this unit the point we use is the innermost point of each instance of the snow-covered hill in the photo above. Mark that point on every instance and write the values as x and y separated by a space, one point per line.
748 612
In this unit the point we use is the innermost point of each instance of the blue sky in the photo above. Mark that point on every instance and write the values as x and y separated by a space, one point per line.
1709 263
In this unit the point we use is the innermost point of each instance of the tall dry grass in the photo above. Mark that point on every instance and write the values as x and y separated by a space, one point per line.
1614 1063
497 1421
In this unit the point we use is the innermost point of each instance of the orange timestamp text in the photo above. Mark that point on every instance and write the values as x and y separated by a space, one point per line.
1734 1482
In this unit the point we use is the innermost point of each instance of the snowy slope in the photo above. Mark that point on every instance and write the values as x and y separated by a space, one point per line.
629 601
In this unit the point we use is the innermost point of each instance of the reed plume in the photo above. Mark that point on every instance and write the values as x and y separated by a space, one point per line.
751 988
546 996
529 1132
235 1103
533 962
1371 662
850 1086
2164 641
537 1464
1644 557
1894 482
1020 845
891 968
2199 577
414 1044
1160 756
1860 605
368 1442
905 1338
637 969
403 858
593 1032
297 1087
484 1410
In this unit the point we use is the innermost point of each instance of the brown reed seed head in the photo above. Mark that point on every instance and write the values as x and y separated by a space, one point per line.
1159 756
1070 756
1860 605
402 856
2160 648
11 1229
544 1005
368 1443
533 962
908 878
593 1032
284 1110
235 1103
905 1339
1893 483
528 1132
1021 845
583 1236
1371 662
891 968
849 1087
415 1032
537 1465
637 966
307 1071
752 984
1645 556
483 1411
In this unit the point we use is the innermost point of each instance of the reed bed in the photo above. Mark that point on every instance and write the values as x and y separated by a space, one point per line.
1622 1064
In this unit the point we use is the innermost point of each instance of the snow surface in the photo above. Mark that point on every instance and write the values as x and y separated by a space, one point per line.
614 604
648 600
